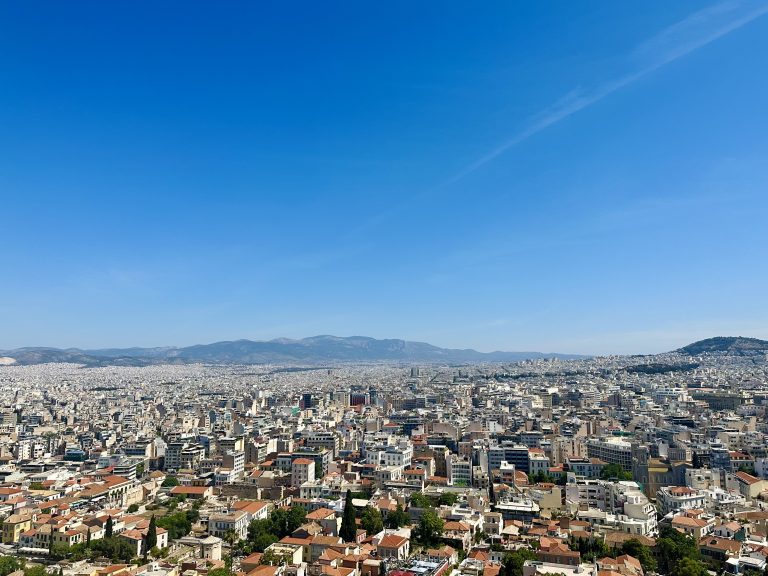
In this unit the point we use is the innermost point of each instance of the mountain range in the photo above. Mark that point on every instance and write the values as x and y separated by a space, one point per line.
325 350
314 350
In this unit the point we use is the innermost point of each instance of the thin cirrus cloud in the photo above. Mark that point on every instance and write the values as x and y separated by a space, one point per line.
674 42
693 32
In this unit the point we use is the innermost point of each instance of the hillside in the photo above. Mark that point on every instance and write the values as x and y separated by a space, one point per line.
726 344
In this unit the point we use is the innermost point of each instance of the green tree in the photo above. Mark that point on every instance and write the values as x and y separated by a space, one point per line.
59 552
170 482
230 537
178 524
447 499
261 534
114 548
611 471
263 540
218 572
133 508
297 515
140 469
151 539
430 528
513 561
689 567
398 518
348 530
10 564
696 460
672 547
638 550
421 500
109 527
371 520
36 486
35 570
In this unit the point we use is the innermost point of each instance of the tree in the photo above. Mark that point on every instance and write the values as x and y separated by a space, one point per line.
430 527
398 518
170 482
513 561
673 547
108 528
689 567
447 499
612 471
261 535
151 539
371 520
421 500
140 469
696 460
36 486
178 525
133 508
230 537
348 530
263 540
117 549
35 570
296 517
638 550
10 564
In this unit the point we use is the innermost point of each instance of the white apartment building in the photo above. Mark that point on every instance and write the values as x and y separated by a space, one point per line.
459 470
302 470
677 498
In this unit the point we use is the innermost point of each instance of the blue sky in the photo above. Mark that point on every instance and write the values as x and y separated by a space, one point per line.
558 176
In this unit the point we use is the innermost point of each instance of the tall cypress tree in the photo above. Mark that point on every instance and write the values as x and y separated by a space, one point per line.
491 494
108 528
348 530
152 532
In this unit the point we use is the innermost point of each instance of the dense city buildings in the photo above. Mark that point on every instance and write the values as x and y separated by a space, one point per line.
553 466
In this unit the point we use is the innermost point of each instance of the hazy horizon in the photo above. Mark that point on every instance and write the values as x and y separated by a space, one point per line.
267 339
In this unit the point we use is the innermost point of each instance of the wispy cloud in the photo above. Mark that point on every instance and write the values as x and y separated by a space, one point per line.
673 43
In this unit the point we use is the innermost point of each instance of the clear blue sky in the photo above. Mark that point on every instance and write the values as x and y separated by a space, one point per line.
557 176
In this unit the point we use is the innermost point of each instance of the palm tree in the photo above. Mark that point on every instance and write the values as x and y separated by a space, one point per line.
230 537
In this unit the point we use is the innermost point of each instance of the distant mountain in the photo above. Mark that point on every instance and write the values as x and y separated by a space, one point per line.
314 350
726 344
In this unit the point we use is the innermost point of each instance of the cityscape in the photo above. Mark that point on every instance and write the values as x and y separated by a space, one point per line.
611 465
400 288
